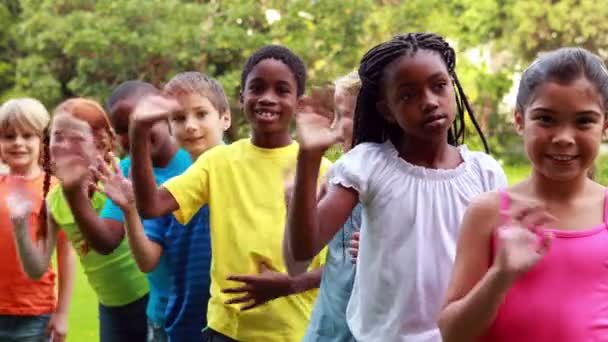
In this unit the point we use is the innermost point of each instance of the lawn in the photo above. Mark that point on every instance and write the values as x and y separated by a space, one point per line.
83 314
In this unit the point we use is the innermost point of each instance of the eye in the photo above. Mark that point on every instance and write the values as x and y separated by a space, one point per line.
585 121
255 87
284 90
201 114
543 119
407 96
440 86
28 136
178 118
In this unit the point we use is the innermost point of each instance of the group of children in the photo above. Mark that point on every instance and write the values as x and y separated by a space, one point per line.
191 239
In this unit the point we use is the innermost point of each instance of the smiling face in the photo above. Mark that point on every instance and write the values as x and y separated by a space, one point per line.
418 96
199 126
562 127
70 137
269 99
20 149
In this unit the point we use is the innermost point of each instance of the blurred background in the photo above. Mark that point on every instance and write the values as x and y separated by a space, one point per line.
52 50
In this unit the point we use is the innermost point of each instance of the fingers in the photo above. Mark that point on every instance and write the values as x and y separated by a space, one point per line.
545 243
98 188
115 165
253 304
98 175
265 268
103 167
532 216
241 289
237 300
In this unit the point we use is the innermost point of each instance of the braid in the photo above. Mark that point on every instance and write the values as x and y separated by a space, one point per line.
46 185
369 125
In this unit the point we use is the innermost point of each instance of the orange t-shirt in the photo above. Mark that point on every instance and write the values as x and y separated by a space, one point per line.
20 295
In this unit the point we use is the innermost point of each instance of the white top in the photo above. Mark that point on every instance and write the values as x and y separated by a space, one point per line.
411 220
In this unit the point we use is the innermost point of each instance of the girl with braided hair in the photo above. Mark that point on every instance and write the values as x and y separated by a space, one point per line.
29 308
413 178
80 140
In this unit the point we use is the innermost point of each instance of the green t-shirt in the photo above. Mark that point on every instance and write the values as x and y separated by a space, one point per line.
115 278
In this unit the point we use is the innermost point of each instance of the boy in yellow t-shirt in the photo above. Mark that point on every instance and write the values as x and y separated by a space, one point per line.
243 184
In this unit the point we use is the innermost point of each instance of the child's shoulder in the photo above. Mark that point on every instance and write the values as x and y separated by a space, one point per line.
369 152
486 207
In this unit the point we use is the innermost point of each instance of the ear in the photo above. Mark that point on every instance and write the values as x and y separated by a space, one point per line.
226 118
382 107
519 121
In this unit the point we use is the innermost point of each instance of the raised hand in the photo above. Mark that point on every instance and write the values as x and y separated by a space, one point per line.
114 184
72 171
259 288
317 128
18 203
523 243
153 108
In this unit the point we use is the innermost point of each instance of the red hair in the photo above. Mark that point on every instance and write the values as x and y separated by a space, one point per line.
93 114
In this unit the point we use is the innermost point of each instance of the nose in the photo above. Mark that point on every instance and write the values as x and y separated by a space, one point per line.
190 124
268 98
429 101
563 136
18 140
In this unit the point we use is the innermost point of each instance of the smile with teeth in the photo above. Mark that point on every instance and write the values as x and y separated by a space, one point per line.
266 114
562 157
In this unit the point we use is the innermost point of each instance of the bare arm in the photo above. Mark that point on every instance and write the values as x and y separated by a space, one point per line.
152 201
120 190
146 252
478 286
66 264
34 255
475 293
100 235
307 281
305 235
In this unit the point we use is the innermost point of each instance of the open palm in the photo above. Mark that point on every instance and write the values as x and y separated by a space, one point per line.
72 171
154 108
115 185
18 205
523 243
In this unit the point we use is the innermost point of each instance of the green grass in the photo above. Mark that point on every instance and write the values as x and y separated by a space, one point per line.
83 320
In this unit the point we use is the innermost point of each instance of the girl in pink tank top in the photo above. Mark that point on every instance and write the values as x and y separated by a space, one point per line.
532 260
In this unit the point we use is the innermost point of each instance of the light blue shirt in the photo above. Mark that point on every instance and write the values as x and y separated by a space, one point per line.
328 319
160 277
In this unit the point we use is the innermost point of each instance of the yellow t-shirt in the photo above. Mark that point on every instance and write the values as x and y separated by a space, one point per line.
244 187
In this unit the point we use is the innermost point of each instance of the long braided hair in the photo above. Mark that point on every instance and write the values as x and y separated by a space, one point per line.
41 232
369 124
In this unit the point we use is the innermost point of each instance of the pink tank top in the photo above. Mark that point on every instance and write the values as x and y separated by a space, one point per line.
563 298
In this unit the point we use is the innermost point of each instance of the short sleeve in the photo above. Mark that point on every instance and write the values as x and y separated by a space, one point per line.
156 228
191 188
353 169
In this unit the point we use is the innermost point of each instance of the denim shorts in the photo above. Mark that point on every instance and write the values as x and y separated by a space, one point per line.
24 328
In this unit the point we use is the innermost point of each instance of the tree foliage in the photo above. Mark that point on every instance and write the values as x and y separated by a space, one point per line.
54 49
